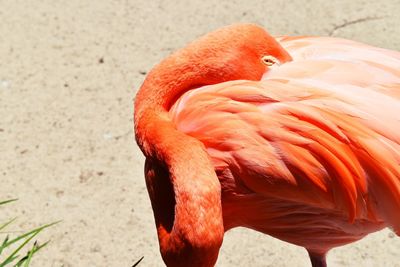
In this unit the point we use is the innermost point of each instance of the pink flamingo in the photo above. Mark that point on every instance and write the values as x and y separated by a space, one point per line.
295 137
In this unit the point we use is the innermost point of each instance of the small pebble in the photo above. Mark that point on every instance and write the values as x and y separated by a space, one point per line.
4 84
107 136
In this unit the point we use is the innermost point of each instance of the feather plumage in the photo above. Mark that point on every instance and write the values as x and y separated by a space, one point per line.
320 133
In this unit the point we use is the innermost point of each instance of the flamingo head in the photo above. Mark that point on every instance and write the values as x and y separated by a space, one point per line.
235 52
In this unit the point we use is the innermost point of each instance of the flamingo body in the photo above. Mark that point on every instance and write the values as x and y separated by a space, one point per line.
309 153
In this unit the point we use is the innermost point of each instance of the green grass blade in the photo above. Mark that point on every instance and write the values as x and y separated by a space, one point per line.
33 251
136 263
28 257
3 245
11 260
25 238
30 254
7 223
13 256
34 231
8 201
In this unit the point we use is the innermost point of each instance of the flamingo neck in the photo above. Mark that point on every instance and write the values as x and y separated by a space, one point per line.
190 227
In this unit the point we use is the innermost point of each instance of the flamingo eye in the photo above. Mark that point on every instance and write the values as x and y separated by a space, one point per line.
270 60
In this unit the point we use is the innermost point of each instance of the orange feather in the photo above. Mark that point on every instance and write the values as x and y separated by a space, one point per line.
305 148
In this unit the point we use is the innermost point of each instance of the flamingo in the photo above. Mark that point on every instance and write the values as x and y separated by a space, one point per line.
295 137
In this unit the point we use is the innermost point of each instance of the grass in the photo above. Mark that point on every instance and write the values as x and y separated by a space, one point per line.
16 245
137 263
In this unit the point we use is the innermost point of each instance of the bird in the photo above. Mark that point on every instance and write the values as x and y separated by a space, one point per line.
295 137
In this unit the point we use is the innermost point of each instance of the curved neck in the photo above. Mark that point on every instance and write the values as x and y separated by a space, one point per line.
166 81
190 227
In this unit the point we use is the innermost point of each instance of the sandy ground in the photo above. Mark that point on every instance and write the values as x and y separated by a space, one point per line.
68 73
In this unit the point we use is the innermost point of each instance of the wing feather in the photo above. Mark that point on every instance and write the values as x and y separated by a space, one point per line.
322 130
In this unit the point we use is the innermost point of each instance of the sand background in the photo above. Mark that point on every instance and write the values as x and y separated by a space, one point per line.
68 73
